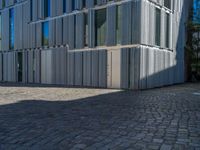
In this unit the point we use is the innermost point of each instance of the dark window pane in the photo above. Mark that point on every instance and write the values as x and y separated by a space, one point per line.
46 8
167 30
100 27
158 27
167 3
64 6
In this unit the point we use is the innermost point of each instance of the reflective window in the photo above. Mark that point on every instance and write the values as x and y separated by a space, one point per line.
167 3
45 33
64 6
167 30
157 26
11 27
46 8
100 27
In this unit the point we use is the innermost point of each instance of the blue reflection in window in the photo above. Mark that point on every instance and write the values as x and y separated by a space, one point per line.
196 13
12 28
45 33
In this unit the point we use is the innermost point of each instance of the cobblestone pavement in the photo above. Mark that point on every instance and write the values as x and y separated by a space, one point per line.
72 118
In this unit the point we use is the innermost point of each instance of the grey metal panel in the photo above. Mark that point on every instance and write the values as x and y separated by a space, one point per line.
143 68
30 66
70 68
39 34
87 62
53 5
125 76
89 3
135 68
78 68
40 9
111 26
1 67
79 30
59 29
95 68
126 26
37 66
25 67
102 68
52 33
71 32
66 30
5 31
136 22
91 28
35 10
59 7
68 6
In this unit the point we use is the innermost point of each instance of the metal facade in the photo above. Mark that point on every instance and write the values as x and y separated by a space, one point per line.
71 58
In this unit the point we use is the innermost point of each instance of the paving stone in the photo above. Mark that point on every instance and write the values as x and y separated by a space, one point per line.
73 118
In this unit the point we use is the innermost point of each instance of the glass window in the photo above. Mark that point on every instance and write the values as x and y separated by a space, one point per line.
3 3
167 30
64 6
45 33
46 8
167 3
118 24
11 27
73 5
86 29
100 27
158 27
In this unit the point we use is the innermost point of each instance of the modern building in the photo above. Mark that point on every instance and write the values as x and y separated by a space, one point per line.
131 44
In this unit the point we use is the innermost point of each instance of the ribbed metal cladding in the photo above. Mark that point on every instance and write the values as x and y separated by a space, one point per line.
1 67
137 63
59 31
111 26
79 41
5 31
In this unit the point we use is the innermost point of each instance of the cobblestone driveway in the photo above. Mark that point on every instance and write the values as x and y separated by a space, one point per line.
67 118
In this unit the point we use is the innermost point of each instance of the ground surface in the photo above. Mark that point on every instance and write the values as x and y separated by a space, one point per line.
67 118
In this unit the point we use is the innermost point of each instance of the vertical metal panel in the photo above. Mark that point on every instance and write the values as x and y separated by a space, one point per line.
52 35
66 30
39 34
79 31
1 67
125 76
102 68
53 5
70 68
136 22
59 7
78 68
68 6
95 68
5 31
87 62
59 25
35 10
89 3
71 32
126 26
111 26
